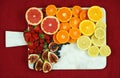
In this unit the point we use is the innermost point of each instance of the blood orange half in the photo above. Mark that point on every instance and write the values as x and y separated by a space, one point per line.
34 16
50 25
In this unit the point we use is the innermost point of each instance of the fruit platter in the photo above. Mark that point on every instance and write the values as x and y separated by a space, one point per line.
66 38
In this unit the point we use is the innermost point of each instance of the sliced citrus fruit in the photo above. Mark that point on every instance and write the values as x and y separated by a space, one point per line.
34 16
74 22
93 51
97 42
76 10
83 14
62 36
105 50
55 39
74 33
87 27
72 40
50 25
99 33
83 42
51 10
101 24
95 13
64 14
64 26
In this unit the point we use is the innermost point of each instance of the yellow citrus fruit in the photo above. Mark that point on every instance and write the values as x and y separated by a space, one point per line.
105 50
95 13
99 33
83 42
62 36
76 10
97 42
101 24
51 10
64 14
87 27
74 22
93 51
74 33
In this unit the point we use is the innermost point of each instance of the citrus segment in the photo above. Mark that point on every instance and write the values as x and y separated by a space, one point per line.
34 16
64 14
99 33
51 10
64 26
74 33
105 50
95 13
83 42
62 36
87 27
97 42
101 24
93 51
74 22
76 10
83 15
50 25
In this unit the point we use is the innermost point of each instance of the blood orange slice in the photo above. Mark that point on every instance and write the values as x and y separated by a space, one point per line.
50 25
34 16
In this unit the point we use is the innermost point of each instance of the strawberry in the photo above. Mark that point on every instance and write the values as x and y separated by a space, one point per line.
48 41
46 36
35 36
27 36
37 28
31 45
36 43
41 40
31 51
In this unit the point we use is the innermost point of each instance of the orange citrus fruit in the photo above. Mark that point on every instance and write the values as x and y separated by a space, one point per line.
72 40
74 22
64 26
83 15
76 10
55 40
50 25
87 27
62 36
64 14
95 13
74 33
34 16
51 10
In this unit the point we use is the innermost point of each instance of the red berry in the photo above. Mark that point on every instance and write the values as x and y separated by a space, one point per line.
41 40
37 28
46 36
35 36
48 41
31 45
36 43
27 36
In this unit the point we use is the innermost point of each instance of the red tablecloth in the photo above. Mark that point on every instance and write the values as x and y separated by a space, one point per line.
13 61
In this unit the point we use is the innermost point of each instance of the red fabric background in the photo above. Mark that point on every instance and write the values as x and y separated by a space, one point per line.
13 61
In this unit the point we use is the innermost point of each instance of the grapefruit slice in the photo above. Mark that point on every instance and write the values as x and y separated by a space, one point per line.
34 16
50 25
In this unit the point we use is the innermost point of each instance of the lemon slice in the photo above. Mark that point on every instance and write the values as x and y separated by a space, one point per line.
95 13
83 42
97 42
101 24
105 50
93 51
99 33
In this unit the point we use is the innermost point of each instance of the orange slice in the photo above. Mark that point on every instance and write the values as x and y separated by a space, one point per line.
55 40
74 33
87 27
74 22
51 10
64 26
72 40
76 10
83 15
62 36
95 13
64 14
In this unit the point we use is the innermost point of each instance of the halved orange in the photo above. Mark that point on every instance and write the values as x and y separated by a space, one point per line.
64 26
87 27
74 22
72 40
83 14
76 10
64 14
62 36
55 40
51 10
74 33
95 13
